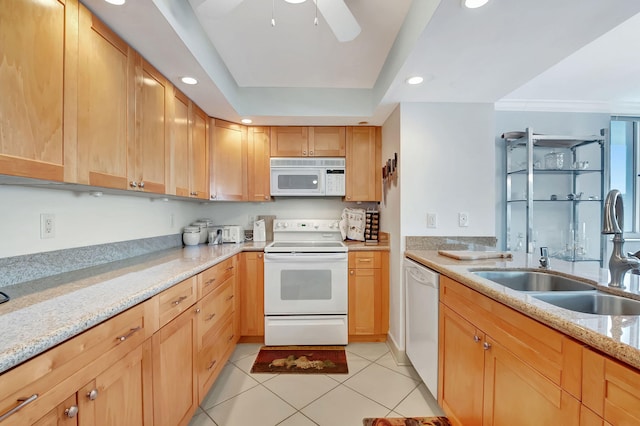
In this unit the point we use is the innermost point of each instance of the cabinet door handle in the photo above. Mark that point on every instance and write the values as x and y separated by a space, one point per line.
351 272
210 317
133 184
197 310
129 334
180 299
486 346
304 152
141 184
71 412
365 260
266 197
476 339
231 337
93 394
310 152
194 193
229 268
209 282
260 256
228 298
212 364
23 402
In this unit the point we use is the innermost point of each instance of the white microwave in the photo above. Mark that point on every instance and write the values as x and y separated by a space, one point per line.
307 177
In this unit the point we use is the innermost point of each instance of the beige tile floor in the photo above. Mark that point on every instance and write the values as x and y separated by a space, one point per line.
375 387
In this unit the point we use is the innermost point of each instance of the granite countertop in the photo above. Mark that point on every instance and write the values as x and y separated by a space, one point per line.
47 311
617 336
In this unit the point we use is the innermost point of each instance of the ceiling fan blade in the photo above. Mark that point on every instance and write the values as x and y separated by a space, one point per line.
340 19
214 8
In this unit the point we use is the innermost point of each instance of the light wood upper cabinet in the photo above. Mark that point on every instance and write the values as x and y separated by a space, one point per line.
228 161
368 295
259 172
106 104
38 82
293 141
327 141
199 155
364 164
148 165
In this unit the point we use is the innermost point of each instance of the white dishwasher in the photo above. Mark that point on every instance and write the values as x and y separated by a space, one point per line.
421 291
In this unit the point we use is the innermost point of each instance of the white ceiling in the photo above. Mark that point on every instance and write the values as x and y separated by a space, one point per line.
518 52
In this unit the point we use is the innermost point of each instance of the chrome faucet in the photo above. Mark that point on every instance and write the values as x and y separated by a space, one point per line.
544 258
612 223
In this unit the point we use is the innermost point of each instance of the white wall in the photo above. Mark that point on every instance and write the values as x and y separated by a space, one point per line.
446 165
83 220
390 222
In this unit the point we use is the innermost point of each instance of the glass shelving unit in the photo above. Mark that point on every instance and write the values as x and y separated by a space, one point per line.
555 186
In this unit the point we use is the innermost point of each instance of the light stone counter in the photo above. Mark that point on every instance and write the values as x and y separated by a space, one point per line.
48 311
617 336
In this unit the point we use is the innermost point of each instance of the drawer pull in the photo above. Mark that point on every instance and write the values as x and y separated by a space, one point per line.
177 302
93 394
231 337
229 268
210 317
71 412
23 402
365 260
131 333
228 298
212 364
208 282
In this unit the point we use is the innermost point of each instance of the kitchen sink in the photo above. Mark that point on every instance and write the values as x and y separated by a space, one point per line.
533 281
592 303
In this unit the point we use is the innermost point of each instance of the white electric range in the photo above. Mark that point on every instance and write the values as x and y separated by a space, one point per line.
305 284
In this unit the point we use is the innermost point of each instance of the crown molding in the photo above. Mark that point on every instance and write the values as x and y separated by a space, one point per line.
613 108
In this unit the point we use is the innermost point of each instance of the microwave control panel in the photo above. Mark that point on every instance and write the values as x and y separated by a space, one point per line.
335 182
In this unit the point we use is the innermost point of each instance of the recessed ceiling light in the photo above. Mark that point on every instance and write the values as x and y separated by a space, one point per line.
414 80
189 80
295 1
116 2
362 123
473 4
247 120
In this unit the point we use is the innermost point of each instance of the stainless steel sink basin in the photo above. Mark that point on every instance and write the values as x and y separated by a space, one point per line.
592 303
533 281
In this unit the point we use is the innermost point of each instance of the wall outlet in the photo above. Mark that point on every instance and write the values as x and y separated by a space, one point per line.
432 220
47 226
463 219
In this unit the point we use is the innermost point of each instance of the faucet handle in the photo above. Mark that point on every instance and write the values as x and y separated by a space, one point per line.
544 257
636 254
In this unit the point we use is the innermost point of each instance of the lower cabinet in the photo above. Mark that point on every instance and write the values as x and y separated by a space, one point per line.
610 391
368 295
499 367
251 295
175 396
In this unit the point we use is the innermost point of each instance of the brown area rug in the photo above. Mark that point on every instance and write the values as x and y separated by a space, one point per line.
301 360
407 421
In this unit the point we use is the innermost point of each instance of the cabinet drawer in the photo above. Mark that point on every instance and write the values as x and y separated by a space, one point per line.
175 300
546 350
57 373
213 277
214 353
365 259
214 308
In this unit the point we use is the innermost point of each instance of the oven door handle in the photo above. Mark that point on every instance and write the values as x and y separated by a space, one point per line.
306 257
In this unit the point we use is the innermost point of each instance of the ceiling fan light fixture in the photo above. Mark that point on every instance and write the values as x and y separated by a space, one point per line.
474 4
189 80
416 79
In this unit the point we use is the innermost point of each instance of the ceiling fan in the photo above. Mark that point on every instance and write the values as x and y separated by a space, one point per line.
335 12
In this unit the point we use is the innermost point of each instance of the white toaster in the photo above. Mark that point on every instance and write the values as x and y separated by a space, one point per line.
232 234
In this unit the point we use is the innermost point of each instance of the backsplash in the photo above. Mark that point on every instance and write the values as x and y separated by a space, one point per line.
451 243
18 269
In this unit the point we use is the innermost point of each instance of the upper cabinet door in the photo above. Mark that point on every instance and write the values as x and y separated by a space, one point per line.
259 173
327 141
38 83
364 165
106 104
199 154
148 157
289 141
180 144
228 161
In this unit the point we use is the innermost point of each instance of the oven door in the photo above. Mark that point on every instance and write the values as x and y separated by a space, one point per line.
305 283
297 181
